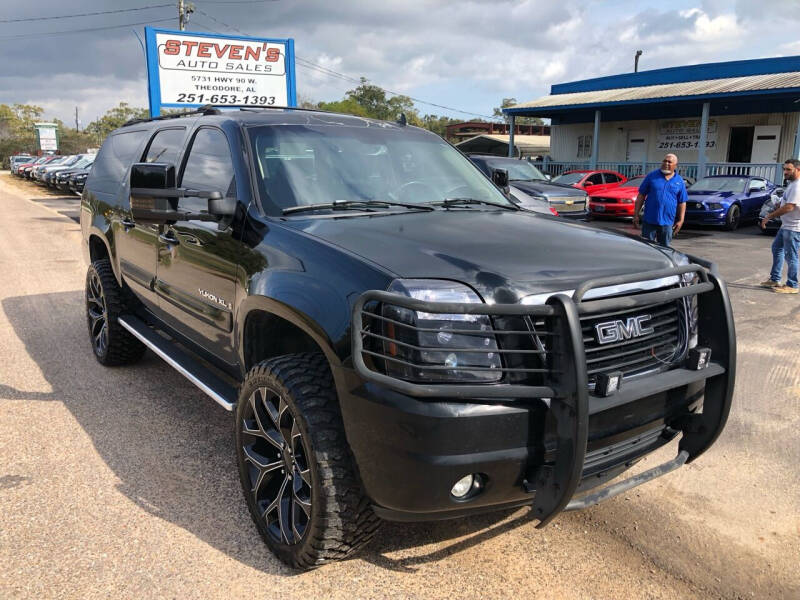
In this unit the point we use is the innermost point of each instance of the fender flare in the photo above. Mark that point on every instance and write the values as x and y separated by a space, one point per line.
299 319
94 231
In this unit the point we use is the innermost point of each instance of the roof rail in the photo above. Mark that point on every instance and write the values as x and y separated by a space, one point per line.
206 109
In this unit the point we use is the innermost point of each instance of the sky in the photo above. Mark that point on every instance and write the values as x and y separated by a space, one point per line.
466 55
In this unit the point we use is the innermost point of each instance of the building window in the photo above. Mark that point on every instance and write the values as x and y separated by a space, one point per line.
584 146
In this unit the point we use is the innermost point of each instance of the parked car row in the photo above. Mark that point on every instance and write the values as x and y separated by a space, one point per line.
67 173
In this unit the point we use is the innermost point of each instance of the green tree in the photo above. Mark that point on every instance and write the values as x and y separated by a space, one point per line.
498 112
114 118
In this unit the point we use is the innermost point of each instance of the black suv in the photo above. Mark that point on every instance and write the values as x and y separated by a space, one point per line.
396 338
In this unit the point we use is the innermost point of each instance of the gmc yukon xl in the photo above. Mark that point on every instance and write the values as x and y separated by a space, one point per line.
395 338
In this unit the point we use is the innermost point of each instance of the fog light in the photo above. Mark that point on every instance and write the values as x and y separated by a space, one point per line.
463 486
608 383
698 358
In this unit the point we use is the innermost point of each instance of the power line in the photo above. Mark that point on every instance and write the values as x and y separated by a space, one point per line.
315 66
235 1
90 14
68 31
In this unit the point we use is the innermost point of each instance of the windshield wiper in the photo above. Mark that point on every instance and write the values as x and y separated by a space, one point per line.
465 201
368 205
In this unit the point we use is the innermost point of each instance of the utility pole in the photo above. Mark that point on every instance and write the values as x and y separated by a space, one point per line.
184 10
76 119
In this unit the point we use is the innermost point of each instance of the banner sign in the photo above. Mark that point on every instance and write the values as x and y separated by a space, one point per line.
677 134
47 136
189 69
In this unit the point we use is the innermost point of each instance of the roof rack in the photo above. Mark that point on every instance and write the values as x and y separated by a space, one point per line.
206 109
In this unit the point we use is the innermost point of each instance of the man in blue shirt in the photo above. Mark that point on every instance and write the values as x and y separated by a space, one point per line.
665 194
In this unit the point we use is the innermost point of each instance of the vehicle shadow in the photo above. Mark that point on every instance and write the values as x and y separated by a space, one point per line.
171 448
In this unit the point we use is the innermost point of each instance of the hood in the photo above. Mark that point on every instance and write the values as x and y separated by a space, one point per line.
709 194
546 188
504 255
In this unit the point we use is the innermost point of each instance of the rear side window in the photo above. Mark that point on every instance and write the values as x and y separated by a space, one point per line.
208 168
611 178
113 161
165 146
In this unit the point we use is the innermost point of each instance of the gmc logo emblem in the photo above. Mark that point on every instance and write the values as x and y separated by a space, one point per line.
619 330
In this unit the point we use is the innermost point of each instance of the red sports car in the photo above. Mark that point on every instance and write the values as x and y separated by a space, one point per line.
616 202
591 181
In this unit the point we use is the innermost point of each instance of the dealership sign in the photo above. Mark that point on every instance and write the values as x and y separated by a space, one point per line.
188 69
678 134
47 136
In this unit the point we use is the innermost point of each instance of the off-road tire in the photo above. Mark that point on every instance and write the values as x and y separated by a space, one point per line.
733 218
341 520
103 292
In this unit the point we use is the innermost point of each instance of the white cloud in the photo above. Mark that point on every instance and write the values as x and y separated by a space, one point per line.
467 54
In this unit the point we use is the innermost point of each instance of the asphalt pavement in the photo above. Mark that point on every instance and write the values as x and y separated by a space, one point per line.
122 482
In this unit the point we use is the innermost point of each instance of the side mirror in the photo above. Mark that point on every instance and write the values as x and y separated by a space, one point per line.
548 176
158 176
154 197
500 177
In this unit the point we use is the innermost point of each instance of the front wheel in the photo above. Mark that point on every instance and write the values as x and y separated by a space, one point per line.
296 469
733 217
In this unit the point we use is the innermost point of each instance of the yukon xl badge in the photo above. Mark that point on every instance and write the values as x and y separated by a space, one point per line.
214 298
616 331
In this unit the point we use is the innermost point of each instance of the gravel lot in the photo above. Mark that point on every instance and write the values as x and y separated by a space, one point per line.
122 482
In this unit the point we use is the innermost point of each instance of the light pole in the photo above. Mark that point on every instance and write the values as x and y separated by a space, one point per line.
636 61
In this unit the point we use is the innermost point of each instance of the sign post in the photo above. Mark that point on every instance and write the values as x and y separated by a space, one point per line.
188 70
47 136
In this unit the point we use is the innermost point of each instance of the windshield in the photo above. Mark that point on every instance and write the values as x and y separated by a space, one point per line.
720 184
569 178
518 170
635 182
298 165
84 162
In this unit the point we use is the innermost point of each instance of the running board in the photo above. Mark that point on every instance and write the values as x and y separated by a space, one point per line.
221 392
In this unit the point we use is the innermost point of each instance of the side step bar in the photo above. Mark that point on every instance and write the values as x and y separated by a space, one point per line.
221 392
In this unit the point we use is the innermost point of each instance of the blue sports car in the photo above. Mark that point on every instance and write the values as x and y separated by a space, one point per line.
726 200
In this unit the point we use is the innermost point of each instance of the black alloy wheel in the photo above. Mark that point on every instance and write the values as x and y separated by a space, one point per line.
277 464
97 314
733 217
295 466
112 344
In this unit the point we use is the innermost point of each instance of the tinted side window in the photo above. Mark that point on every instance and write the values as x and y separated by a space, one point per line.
611 178
209 168
595 179
113 161
165 146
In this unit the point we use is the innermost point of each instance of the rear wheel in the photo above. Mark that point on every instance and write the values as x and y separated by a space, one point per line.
733 218
112 344
295 466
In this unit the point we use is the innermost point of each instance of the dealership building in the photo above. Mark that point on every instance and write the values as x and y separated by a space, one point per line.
740 117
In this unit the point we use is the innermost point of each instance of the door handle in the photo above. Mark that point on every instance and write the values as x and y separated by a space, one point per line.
127 223
169 238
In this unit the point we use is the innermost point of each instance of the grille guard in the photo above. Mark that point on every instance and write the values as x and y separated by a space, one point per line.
566 387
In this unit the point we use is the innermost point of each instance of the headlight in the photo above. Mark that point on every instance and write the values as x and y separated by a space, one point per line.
714 206
428 350
689 303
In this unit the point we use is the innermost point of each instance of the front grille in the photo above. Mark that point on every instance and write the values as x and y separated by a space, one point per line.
659 349
600 199
695 205
568 204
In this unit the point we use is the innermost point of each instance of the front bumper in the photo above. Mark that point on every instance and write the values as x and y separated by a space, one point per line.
531 445
705 217
611 209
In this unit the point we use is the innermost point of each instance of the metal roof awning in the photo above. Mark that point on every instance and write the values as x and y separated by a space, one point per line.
526 145
732 88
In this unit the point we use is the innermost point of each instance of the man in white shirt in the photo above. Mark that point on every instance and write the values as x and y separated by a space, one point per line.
787 241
